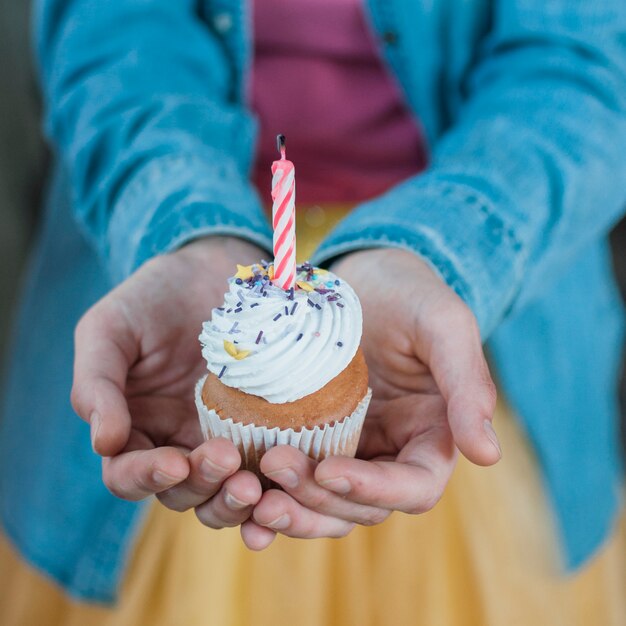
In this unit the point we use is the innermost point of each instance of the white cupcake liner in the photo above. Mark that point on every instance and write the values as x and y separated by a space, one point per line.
338 438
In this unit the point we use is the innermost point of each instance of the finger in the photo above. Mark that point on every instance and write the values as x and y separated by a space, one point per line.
256 537
461 372
104 351
141 473
210 465
295 473
281 513
233 504
413 483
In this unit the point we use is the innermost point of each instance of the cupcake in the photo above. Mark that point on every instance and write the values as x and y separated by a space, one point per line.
285 367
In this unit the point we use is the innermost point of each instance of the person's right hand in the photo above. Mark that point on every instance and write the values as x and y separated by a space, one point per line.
137 360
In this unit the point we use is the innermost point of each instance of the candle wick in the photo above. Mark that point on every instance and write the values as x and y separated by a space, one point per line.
280 145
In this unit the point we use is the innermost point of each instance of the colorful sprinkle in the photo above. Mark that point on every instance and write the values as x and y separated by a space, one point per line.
318 307
293 308
258 339
238 309
222 372
229 346
277 316
340 344
310 302
254 304
286 310
304 286
228 310
239 281
244 271
340 305
299 337
329 283
337 283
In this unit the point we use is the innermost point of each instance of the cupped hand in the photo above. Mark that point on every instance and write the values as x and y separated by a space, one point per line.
137 359
432 395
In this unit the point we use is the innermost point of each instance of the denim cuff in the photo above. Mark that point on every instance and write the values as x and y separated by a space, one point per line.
453 227
175 198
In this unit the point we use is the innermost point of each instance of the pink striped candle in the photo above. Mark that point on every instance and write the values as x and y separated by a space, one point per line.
284 219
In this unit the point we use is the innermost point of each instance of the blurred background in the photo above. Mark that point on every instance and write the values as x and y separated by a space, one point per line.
23 159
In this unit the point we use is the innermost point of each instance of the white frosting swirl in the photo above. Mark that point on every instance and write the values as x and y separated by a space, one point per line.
297 341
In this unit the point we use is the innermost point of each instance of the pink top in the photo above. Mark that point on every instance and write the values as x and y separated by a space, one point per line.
318 79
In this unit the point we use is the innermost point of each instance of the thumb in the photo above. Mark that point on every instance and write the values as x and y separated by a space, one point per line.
104 351
460 370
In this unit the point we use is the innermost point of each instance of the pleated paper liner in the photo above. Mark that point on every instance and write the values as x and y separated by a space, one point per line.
339 438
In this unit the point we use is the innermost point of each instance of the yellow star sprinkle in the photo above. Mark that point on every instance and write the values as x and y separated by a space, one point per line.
270 272
231 348
304 286
244 271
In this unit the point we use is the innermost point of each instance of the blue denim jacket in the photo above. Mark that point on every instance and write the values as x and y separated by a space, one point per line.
524 106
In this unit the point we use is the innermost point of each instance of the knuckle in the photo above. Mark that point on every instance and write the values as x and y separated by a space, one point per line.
425 502
317 499
207 518
342 531
373 518
173 501
113 486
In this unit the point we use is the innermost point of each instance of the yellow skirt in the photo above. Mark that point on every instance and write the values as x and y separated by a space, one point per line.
485 556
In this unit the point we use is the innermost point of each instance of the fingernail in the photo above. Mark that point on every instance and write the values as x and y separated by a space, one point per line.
339 485
94 421
234 503
164 480
280 523
211 472
491 433
285 477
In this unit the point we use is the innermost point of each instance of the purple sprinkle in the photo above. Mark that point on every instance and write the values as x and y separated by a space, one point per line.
322 290
258 339
317 306
286 310
299 337
254 304
340 305
310 302
265 294
238 309
291 293
294 307
340 344
239 281
239 303
222 372
229 310
279 315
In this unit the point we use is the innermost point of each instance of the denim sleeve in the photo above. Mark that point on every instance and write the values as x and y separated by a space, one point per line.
531 169
140 108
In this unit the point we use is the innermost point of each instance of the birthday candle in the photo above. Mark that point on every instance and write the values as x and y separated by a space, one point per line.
284 219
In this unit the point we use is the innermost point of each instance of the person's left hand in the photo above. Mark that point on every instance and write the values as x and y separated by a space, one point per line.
432 394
